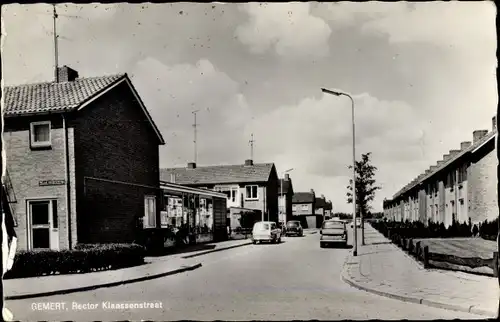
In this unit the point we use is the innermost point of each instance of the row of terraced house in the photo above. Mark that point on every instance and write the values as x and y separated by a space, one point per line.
82 160
462 186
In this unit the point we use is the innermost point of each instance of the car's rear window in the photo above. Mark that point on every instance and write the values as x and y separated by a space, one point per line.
292 224
333 224
265 226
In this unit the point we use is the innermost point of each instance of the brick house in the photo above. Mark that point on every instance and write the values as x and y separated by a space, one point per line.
285 198
323 208
303 209
249 185
82 161
460 186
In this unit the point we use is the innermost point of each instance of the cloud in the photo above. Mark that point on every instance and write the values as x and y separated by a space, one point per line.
435 22
288 29
315 138
172 93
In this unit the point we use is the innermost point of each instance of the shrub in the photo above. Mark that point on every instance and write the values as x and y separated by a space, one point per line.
84 258
489 229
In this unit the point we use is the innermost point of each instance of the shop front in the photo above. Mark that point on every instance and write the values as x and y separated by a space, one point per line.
196 215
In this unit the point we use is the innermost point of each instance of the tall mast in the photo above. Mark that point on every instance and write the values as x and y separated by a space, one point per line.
195 137
56 54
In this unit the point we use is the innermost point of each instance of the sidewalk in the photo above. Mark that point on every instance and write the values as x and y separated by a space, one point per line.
155 267
384 269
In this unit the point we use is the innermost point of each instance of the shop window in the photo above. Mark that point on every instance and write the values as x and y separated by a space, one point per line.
149 212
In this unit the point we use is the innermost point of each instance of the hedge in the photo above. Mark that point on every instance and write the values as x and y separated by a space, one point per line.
417 229
83 259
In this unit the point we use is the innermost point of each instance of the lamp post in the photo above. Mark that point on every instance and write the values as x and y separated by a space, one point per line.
337 93
282 198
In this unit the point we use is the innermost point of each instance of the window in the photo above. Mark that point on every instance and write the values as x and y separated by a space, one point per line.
294 207
42 219
252 192
333 224
462 173
305 207
40 134
149 212
230 192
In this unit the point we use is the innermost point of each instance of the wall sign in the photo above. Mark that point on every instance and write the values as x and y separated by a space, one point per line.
51 182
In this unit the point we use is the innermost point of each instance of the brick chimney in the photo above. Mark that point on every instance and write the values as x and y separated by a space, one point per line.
312 190
172 178
494 123
440 163
191 165
248 162
66 74
322 196
465 145
446 157
478 135
454 152
433 167
287 177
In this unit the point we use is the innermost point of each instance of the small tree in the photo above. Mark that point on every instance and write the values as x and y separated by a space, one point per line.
365 184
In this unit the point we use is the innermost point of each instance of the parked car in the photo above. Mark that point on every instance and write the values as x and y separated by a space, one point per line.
358 223
266 231
293 227
333 232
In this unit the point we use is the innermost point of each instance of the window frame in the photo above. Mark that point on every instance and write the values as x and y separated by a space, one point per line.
304 207
52 216
42 144
146 222
256 197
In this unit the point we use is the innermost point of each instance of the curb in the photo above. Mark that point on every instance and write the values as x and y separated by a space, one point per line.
111 284
216 250
414 300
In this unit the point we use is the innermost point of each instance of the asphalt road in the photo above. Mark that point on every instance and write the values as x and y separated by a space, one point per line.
294 280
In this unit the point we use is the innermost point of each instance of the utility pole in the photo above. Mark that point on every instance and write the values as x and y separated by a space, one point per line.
56 54
252 141
195 137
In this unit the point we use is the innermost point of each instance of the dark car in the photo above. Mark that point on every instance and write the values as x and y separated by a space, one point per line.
294 227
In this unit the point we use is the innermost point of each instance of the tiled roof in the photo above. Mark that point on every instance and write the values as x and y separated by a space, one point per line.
219 174
320 203
422 178
303 197
286 186
53 97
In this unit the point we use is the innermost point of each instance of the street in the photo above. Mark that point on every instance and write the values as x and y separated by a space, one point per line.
296 280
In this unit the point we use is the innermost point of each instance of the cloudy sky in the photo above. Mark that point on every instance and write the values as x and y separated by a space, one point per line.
422 76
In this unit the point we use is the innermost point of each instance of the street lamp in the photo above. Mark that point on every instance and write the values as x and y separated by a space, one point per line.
282 198
337 93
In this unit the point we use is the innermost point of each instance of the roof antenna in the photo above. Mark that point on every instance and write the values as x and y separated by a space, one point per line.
56 54
252 141
195 137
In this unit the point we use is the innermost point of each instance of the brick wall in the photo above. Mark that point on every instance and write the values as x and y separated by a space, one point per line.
28 167
114 141
483 202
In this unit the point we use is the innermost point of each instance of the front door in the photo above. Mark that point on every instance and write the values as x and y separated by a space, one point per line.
43 222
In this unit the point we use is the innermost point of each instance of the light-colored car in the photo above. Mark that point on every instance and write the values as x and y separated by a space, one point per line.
266 231
358 223
333 232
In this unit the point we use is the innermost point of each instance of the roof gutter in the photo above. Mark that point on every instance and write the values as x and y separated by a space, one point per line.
68 184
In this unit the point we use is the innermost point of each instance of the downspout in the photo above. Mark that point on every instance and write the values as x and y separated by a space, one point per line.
68 185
